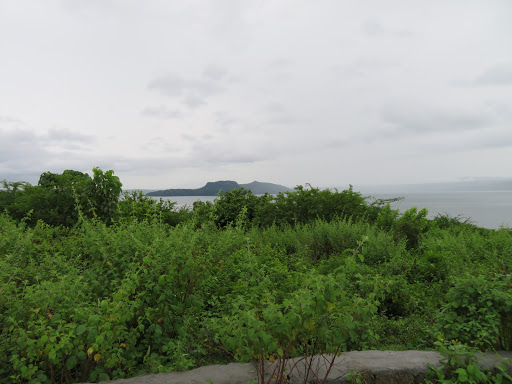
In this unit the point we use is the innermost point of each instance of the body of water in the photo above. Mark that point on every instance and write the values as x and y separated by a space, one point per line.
186 200
490 209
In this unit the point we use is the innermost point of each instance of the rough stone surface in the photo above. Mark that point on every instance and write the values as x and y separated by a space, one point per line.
374 367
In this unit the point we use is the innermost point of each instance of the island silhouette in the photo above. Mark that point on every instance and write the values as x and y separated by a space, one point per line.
214 188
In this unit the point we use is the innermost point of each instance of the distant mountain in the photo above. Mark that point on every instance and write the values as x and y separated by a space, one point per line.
219 187
259 188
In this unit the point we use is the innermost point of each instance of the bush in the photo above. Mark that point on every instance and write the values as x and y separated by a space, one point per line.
461 365
478 312
135 205
429 267
58 198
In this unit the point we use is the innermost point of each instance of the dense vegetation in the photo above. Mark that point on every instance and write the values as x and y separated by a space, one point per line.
98 285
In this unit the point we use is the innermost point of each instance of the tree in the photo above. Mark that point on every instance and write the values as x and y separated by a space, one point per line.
62 193
57 197
103 193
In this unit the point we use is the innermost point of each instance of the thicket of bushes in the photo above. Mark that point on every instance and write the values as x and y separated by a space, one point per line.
146 287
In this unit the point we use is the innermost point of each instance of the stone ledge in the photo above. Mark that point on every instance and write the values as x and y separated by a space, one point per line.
375 367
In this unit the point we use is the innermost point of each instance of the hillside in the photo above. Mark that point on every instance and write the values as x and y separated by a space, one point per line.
219 187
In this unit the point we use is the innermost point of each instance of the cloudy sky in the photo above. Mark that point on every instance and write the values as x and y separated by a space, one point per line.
173 94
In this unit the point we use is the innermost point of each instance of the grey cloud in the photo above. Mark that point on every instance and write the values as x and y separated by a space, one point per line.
283 119
336 143
442 130
375 29
280 69
145 165
24 155
198 153
18 136
230 158
174 86
501 110
365 66
190 138
479 140
29 159
276 113
224 149
22 144
214 72
169 86
225 155
197 159
19 146
193 101
492 138
225 119
280 64
8 120
57 135
500 74
81 6
408 121
162 112
372 28
275 108
197 139
160 144
192 92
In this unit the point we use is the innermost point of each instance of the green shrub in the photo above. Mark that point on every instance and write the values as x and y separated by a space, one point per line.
409 226
478 312
429 267
58 198
403 333
319 315
461 365
135 205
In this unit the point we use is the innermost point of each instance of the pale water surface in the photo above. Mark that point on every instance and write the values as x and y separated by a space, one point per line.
490 209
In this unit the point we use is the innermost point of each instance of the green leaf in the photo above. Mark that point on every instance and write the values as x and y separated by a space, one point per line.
71 362
42 378
474 371
80 329
462 375
91 336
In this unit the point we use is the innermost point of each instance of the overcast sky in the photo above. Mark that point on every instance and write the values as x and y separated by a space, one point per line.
172 94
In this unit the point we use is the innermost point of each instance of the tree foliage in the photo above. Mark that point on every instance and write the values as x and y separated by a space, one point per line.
58 198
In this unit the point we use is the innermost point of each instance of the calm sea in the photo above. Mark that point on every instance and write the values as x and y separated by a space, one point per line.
491 209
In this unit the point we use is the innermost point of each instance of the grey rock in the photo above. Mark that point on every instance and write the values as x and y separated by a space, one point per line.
374 367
